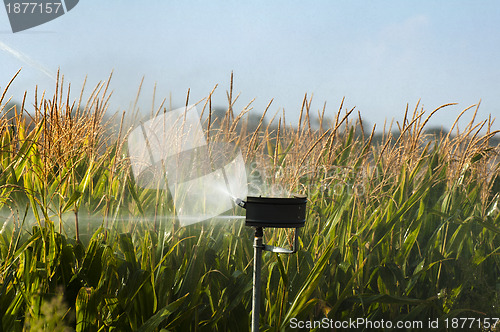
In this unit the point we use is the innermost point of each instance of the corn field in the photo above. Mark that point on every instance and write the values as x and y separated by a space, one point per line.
401 225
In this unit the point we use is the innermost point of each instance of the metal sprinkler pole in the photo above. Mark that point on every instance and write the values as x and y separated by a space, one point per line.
257 262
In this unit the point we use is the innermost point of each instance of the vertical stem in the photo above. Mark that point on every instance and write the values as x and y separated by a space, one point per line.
60 220
258 246
106 222
77 227
295 247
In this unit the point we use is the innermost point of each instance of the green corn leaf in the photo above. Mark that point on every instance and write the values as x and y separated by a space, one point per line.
131 188
309 285
284 153
162 314
86 309
71 201
128 250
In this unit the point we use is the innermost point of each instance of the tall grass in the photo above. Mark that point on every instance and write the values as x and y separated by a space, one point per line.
400 228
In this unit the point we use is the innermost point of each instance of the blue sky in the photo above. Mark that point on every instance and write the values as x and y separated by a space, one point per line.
379 55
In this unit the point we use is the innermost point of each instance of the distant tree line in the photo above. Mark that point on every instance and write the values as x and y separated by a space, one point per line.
252 120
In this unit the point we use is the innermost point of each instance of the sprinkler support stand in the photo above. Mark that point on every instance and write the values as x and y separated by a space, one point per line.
258 247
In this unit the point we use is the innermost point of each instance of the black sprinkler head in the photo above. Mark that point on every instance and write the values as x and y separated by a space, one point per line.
275 212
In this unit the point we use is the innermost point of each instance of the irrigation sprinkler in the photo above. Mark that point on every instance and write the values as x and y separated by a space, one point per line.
170 151
270 212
